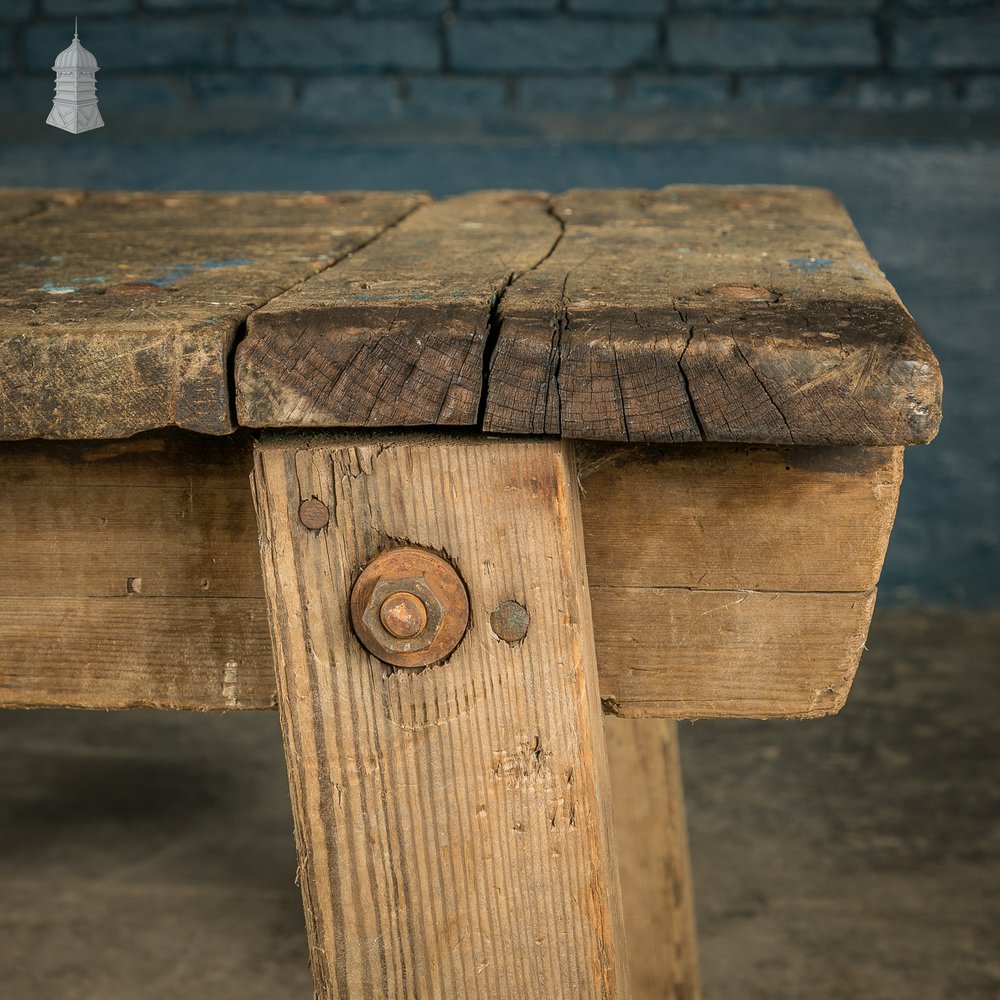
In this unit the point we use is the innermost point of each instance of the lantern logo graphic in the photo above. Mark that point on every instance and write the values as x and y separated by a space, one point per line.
75 106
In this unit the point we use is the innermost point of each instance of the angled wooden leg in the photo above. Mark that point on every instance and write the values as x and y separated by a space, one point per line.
452 821
652 843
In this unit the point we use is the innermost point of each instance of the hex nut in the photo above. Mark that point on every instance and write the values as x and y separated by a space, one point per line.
371 617
433 583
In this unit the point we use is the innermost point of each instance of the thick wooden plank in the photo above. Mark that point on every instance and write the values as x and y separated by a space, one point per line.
131 652
653 858
168 515
734 582
664 653
723 518
739 314
159 515
394 335
22 203
452 822
119 311
693 313
708 654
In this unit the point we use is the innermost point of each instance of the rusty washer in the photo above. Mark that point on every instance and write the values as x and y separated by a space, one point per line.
409 607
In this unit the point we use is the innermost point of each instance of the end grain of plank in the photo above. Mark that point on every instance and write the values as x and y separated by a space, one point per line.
731 314
396 334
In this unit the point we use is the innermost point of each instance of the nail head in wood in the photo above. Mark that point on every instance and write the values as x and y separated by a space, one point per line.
510 622
409 607
314 514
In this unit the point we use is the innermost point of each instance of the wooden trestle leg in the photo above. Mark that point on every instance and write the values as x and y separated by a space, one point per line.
653 859
452 820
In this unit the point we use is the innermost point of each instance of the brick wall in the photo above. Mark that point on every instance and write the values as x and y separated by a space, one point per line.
395 60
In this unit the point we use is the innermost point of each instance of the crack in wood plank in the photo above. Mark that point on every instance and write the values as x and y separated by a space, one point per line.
715 281
444 271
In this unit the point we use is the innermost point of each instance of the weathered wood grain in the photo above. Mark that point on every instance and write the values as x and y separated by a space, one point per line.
395 334
452 822
710 654
738 314
750 315
119 311
727 518
165 514
134 652
22 203
734 582
653 858
168 516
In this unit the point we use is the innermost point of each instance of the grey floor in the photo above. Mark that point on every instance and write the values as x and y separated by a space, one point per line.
147 855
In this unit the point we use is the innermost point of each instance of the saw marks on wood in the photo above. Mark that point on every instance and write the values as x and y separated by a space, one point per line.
119 311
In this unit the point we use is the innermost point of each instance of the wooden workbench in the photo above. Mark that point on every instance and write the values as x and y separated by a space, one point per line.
667 426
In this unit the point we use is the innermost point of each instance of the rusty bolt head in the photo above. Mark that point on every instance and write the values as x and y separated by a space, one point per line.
409 607
314 514
403 615
510 622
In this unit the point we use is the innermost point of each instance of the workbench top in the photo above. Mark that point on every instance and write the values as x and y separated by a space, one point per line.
692 313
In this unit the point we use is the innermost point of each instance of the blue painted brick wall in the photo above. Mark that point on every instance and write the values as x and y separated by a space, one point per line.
397 60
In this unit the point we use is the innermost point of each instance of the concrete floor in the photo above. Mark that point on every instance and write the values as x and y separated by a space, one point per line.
150 856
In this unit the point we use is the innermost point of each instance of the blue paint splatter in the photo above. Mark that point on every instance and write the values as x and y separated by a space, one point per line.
215 262
806 265
77 280
180 271
172 276
164 280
